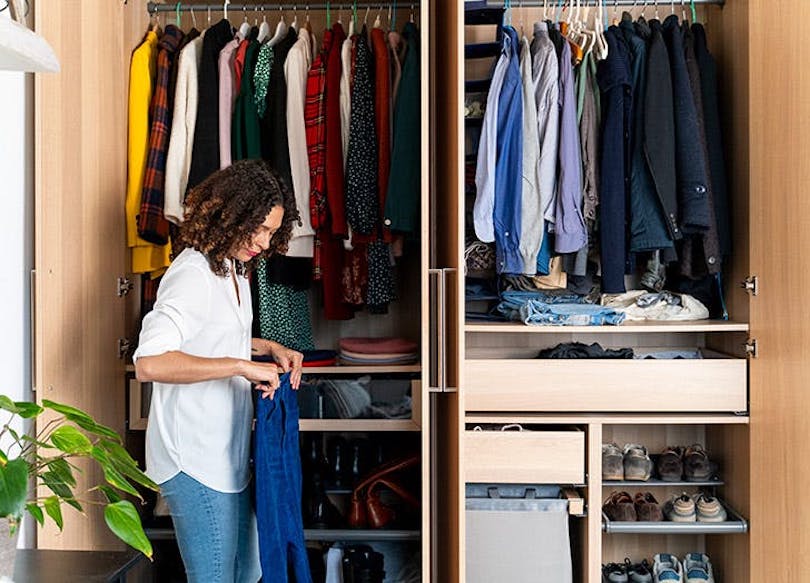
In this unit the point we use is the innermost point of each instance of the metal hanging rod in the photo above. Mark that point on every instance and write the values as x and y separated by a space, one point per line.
153 7
608 4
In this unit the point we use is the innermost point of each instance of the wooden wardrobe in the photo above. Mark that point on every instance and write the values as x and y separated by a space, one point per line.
86 302
748 404
752 403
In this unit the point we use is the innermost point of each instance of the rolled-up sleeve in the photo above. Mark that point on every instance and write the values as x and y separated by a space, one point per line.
179 313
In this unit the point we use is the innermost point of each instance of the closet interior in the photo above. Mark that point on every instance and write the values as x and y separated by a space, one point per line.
528 415
364 440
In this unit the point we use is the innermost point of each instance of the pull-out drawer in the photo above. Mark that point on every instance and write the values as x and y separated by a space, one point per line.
713 384
525 457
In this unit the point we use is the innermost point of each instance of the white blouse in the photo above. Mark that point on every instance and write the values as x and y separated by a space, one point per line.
202 429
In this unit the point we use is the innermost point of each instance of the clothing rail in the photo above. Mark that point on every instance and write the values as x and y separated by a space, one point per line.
154 7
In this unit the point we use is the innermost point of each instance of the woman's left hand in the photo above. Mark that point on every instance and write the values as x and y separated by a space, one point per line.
287 359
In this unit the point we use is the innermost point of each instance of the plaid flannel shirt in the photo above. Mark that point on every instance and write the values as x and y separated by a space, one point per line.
152 224
315 122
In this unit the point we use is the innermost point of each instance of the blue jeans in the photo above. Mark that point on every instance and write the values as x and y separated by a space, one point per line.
277 456
216 531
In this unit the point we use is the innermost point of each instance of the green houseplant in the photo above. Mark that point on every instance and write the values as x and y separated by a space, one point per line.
49 458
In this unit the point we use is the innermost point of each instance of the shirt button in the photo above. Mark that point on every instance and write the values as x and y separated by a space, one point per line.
711 260
675 229
506 234
701 189
387 222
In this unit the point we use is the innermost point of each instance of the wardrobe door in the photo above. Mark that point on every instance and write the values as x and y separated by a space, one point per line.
446 172
780 238
80 249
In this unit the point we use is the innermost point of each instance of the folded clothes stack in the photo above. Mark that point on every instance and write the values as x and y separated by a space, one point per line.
320 358
381 351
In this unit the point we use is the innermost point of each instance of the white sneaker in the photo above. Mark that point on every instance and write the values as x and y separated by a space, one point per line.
667 569
698 568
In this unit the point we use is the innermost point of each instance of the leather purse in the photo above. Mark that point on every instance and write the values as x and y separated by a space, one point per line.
367 509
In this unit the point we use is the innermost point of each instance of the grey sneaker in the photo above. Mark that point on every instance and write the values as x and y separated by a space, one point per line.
640 572
637 463
681 509
697 568
709 509
612 459
667 569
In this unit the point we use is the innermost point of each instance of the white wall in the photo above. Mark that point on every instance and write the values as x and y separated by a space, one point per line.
16 238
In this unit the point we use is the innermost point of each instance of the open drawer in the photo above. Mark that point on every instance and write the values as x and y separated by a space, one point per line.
715 383
549 455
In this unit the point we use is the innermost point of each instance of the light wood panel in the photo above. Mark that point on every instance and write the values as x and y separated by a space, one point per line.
780 236
707 385
525 457
80 247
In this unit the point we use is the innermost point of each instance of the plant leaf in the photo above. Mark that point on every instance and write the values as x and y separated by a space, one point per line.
110 493
36 512
125 464
123 520
7 404
54 510
13 488
61 469
3 458
70 440
96 428
61 489
26 409
112 475
66 410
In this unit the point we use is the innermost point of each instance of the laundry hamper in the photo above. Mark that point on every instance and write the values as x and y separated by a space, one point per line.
517 534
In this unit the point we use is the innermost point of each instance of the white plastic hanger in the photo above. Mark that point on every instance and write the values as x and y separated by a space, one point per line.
225 9
281 30
377 19
264 28
244 28
295 17
193 17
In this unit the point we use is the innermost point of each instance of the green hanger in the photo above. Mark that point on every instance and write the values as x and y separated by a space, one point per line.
328 14
177 14
694 12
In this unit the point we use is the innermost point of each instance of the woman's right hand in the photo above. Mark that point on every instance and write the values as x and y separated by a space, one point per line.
263 375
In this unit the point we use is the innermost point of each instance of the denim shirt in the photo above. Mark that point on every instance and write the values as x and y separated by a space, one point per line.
509 164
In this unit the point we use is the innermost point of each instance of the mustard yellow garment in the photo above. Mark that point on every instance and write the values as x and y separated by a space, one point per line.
146 257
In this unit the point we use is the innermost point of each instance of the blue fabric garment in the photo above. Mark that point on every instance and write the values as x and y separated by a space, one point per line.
278 487
546 249
571 234
216 531
613 76
693 176
648 229
511 301
509 163
539 313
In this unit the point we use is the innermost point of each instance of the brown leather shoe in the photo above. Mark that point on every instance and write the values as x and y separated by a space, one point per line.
619 507
696 464
670 464
647 508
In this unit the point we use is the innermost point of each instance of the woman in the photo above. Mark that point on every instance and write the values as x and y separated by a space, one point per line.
195 346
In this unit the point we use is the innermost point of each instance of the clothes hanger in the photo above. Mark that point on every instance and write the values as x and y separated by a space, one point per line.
264 28
225 9
177 15
411 12
377 21
193 17
209 16
281 29
244 28
694 11
295 17
683 11
353 19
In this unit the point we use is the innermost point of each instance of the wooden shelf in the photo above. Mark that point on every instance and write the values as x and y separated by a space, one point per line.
626 328
363 369
357 425
609 418
360 535
348 369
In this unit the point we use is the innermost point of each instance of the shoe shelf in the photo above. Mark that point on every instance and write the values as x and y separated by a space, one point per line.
626 328
360 535
735 524
656 483
340 425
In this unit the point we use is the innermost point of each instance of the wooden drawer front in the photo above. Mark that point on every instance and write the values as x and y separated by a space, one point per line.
705 385
530 457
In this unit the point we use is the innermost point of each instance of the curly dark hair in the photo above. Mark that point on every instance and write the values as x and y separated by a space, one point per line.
226 209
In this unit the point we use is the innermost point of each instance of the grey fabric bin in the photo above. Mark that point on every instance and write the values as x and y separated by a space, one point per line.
520 540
